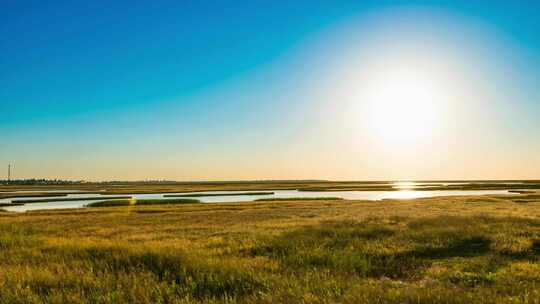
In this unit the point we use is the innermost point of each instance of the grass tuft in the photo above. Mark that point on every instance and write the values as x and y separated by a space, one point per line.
130 202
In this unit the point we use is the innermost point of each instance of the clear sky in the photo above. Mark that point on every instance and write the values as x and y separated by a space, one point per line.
218 90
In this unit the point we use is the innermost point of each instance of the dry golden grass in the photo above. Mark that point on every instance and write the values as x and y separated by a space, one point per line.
172 187
434 250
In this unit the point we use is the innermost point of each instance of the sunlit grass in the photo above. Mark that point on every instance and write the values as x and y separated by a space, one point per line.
436 250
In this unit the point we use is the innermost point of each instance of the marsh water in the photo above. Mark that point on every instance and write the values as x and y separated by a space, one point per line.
403 193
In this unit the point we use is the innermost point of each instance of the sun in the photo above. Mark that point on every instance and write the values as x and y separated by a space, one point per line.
402 106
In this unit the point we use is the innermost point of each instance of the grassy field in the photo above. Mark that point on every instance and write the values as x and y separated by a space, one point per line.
175 187
433 250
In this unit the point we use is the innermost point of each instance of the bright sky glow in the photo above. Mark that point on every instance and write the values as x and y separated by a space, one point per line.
353 90
402 107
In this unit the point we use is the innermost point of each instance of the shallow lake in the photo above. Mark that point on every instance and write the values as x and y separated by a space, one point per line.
350 195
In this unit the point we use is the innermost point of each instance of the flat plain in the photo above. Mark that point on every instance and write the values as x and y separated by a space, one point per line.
476 249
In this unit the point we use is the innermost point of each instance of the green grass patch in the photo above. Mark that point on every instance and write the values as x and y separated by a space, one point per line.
15 236
218 194
111 203
48 200
131 202
525 198
10 204
299 199
30 194
374 250
166 201
349 188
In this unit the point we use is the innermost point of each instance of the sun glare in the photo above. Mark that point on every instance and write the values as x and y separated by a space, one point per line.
402 106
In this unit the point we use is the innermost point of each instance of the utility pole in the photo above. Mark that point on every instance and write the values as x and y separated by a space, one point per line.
9 173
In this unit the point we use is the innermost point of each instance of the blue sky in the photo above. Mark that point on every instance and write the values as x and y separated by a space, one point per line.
220 89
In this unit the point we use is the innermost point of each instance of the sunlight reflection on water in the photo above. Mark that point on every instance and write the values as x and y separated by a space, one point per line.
349 195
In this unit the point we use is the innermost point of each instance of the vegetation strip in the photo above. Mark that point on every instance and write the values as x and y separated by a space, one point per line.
218 194
299 199
68 199
348 188
28 195
130 188
131 202
10 204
